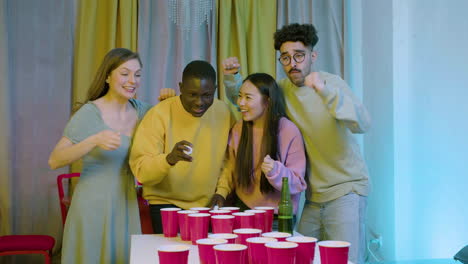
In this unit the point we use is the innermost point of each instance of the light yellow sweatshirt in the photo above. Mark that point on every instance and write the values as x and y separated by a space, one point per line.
186 184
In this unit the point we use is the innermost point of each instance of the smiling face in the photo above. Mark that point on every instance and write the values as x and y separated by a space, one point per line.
125 79
297 71
251 102
197 95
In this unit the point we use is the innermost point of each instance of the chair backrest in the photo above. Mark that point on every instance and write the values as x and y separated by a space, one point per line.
64 200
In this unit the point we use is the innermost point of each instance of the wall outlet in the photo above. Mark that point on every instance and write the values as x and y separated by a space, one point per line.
378 242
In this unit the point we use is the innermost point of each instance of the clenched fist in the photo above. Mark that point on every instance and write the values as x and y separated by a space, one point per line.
268 164
314 81
231 65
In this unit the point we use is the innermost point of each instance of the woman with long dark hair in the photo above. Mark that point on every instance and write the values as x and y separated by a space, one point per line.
104 211
264 147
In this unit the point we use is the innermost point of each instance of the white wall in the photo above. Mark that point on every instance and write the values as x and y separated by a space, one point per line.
377 72
433 185
415 84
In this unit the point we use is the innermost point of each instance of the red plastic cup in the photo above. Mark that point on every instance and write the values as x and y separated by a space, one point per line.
256 249
281 236
281 252
305 250
201 209
270 212
198 224
173 254
233 209
244 233
230 254
259 218
231 238
222 223
243 220
220 212
334 252
206 251
184 226
170 222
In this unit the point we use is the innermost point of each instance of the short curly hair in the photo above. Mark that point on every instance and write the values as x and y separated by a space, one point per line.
305 33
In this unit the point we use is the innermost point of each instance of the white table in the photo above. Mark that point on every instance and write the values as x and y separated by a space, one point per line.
144 249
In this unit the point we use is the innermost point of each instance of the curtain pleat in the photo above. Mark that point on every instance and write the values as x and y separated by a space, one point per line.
37 37
166 47
5 121
327 17
289 12
245 30
101 26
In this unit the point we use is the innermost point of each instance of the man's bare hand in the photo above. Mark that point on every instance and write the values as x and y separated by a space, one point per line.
178 153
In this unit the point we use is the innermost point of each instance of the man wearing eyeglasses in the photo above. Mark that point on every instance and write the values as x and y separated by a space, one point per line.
327 113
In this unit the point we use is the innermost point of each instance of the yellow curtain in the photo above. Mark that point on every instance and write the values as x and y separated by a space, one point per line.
101 26
6 154
245 30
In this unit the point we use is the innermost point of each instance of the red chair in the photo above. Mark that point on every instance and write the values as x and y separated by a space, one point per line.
27 244
145 217
64 200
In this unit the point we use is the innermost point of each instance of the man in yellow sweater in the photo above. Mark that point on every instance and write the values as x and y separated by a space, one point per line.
179 146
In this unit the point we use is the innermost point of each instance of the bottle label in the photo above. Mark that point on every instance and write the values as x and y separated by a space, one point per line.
285 217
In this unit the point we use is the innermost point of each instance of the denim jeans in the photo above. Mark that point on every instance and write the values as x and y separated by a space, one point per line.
339 219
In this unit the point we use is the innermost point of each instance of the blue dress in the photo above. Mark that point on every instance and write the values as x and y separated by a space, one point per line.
104 209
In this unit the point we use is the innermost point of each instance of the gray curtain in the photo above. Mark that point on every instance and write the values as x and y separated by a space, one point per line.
328 18
35 74
166 48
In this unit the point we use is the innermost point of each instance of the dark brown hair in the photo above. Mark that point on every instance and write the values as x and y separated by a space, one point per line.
305 33
244 169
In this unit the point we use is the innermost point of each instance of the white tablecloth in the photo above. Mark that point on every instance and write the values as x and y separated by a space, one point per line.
143 249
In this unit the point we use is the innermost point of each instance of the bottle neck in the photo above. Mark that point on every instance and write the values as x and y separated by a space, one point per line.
285 189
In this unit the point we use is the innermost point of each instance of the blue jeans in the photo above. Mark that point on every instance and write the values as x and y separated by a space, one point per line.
339 219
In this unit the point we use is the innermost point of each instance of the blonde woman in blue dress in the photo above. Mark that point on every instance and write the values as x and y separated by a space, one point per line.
104 210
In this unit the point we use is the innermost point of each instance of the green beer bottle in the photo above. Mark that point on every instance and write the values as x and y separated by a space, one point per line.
285 209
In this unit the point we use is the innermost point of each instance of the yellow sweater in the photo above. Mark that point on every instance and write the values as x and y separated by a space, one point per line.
186 184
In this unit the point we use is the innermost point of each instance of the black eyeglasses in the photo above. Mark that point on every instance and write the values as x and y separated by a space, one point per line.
285 60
